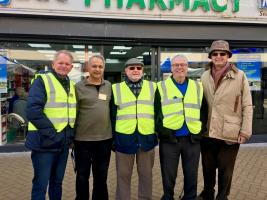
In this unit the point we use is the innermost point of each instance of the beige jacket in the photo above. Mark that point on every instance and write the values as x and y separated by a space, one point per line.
230 106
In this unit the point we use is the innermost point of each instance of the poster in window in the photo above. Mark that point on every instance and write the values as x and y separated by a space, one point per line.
3 75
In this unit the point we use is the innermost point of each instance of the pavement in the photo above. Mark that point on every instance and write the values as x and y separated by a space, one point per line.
249 180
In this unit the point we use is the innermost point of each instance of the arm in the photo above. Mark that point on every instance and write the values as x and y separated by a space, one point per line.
247 112
204 115
157 111
113 114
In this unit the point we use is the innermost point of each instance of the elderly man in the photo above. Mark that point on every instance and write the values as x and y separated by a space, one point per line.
93 136
134 130
179 128
51 111
228 96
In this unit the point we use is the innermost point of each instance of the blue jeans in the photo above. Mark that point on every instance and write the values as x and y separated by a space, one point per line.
48 167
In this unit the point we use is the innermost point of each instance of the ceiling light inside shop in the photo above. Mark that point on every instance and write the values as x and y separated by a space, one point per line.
40 45
112 60
83 52
46 51
81 46
118 53
145 53
139 57
49 55
122 48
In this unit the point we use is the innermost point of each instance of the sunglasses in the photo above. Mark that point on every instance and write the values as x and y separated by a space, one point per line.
221 54
133 68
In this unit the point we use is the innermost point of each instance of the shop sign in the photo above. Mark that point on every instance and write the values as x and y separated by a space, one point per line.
248 11
262 4
5 2
206 5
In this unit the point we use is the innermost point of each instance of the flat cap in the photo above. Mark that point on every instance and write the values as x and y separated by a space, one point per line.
133 61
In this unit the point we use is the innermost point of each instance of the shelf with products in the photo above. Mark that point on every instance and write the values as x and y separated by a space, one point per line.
3 123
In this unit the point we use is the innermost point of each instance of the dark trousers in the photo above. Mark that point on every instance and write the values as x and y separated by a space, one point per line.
169 160
95 154
217 154
49 167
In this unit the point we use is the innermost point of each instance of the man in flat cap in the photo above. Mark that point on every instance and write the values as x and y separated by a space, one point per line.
227 92
134 130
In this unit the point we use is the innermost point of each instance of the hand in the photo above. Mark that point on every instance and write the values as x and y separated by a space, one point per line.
241 139
71 146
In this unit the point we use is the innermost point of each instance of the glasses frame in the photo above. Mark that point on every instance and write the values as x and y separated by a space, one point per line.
176 65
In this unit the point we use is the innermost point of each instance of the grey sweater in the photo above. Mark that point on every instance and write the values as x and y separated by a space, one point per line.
93 112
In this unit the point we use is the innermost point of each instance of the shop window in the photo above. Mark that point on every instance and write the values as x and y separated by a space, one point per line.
253 61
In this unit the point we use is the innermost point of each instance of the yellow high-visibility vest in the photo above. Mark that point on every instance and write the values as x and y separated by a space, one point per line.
60 108
134 111
177 108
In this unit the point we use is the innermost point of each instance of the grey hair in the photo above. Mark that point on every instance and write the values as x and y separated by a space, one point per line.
179 56
68 53
96 56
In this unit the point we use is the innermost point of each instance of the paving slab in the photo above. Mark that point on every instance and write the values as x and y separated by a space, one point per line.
249 180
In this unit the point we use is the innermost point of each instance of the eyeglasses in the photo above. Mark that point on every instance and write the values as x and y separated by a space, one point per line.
221 54
179 64
133 68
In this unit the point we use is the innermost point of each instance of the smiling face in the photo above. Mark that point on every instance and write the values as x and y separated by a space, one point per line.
179 68
134 72
62 64
96 68
219 58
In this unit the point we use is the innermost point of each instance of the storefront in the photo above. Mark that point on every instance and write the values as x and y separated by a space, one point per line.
151 30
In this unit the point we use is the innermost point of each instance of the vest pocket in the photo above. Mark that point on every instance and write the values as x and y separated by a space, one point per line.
231 127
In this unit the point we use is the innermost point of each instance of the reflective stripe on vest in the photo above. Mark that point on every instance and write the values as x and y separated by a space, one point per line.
176 108
60 108
134 111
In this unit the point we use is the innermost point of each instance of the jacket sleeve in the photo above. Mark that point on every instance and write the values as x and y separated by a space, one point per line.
247 109
157 111
113 114
36 102
204 115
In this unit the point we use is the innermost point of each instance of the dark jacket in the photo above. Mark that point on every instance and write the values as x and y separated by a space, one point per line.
168 135
129 144
45 138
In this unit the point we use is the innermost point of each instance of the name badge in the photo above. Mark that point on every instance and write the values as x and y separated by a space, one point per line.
102 96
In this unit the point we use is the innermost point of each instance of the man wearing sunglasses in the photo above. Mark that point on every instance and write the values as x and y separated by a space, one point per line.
229 124
134 130
179 128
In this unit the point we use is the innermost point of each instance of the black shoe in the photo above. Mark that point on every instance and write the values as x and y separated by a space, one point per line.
205 196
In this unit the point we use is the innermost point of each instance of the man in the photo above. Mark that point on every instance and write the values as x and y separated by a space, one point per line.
179 128
93 136
18 92
134 130
51 111
19 108
229 101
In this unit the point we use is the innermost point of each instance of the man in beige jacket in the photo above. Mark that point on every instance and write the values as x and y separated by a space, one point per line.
227 92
